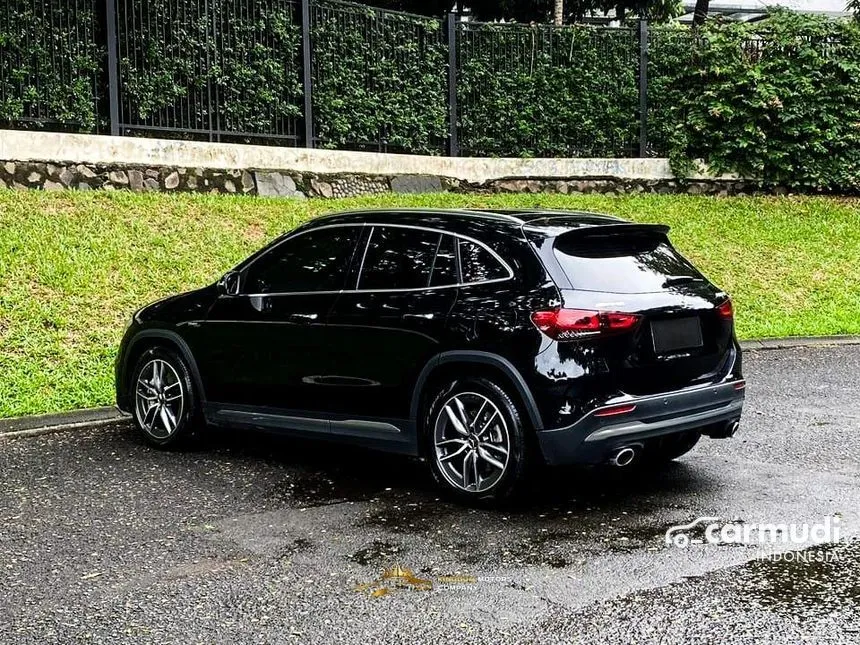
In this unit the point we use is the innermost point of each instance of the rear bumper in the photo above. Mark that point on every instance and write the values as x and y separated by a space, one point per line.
592 438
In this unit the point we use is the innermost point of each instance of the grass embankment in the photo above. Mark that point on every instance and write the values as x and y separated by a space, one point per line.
74 266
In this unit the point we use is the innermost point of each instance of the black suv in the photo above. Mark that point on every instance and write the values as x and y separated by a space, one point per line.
483 341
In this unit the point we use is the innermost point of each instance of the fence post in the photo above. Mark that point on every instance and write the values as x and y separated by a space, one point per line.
307 64
112 65
643 88
453 142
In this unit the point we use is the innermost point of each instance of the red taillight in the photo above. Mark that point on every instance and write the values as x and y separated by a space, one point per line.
614 410
725 310
570 324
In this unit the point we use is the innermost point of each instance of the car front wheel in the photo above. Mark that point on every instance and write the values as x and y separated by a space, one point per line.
475 441
164 403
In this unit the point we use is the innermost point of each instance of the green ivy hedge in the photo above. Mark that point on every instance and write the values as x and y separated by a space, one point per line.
777 100
379 79
542 91
50 62
238 63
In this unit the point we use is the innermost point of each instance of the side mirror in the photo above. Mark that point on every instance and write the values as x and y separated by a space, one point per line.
229 284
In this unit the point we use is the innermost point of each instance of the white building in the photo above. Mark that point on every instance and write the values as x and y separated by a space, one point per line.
747 10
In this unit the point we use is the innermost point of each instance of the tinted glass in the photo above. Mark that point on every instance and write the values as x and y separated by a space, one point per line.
398 258
445 266
629 263
478 264
315 261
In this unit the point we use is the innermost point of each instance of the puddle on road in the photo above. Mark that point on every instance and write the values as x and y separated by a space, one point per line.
407 513
317 489
376 552
566 519
826 581
299 545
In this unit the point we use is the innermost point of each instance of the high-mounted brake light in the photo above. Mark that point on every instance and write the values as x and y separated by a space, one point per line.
725 310
572 324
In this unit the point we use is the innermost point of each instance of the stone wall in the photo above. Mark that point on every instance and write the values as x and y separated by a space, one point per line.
300 185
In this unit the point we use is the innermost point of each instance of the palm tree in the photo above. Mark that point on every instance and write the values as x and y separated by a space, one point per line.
558 12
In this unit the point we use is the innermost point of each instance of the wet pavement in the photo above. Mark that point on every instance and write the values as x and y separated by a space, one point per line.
257 539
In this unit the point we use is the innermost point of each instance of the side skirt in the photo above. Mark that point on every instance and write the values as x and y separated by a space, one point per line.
389 435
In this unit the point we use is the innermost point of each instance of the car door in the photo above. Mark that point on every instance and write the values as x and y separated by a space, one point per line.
385 330
265 346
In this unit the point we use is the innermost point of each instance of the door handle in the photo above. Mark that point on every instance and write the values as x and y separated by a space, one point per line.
418 316
303 318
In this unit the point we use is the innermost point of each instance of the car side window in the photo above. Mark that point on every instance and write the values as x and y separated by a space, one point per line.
477 264
445 265
315 261
398 258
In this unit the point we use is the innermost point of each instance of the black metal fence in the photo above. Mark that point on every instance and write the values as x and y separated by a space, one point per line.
323 73
552 91
52 63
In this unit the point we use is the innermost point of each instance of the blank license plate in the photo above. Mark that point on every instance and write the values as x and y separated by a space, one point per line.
676 334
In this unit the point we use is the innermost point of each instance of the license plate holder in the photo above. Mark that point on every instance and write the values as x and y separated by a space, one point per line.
676 334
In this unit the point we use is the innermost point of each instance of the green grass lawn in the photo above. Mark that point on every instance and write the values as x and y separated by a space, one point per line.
74 266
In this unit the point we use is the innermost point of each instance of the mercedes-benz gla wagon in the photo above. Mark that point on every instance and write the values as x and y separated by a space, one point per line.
486 342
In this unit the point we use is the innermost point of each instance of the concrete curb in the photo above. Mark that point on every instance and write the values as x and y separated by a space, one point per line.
48 423
799 341
94 417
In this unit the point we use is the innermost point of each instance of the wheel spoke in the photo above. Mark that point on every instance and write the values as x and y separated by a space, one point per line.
478 415
466 470
146 396
500 449
487 424
486 456
167 419
457 452
151 409
461 410
446 442
458 425
167 388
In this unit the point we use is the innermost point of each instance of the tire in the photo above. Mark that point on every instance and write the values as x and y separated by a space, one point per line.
489 463
164 402
665 449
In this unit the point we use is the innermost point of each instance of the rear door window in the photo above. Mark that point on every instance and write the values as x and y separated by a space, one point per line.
398 258
640 262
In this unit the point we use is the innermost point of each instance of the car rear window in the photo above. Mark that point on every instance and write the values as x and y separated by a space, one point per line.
635 262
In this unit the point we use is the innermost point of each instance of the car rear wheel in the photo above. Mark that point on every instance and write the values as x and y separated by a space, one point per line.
475 441
669 447
165 406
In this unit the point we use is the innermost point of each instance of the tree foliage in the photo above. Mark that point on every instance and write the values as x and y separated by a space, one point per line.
777 100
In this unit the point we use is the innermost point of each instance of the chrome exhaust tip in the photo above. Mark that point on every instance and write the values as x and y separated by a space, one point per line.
733 428
623 457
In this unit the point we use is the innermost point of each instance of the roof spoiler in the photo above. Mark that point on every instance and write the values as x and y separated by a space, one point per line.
605 230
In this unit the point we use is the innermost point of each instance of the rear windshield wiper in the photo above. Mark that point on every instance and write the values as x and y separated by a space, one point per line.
673 280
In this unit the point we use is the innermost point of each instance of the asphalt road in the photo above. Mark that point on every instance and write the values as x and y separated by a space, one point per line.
254 539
